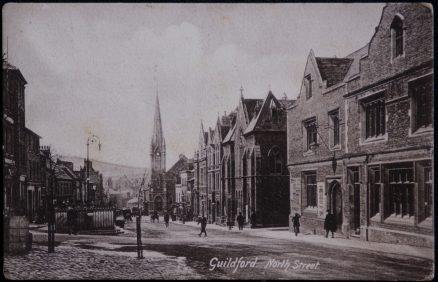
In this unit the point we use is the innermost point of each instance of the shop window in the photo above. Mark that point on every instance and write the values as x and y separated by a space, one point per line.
375 184
401 192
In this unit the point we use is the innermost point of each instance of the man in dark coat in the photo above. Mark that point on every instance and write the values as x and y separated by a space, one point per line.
296 223
330 224
253 219
72 220
166 219
240 220
203 226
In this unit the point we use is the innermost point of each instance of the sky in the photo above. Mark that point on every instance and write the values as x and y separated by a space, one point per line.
91 67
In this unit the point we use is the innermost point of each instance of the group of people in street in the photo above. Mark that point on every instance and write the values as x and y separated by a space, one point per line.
330 224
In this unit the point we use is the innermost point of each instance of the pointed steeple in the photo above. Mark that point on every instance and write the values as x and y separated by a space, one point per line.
158 144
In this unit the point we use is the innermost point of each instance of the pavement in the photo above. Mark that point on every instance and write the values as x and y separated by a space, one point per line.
285 234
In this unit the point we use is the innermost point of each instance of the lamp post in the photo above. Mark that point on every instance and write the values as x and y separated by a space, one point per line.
138 219
90 140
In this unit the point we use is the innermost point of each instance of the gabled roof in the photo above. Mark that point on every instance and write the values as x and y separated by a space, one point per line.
333 70
230 135
251 105
355 65
254 122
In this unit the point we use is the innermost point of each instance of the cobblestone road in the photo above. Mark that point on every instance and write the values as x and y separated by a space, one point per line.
77 263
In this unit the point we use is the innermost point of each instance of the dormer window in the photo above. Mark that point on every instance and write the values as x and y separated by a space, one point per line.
397 37
308 85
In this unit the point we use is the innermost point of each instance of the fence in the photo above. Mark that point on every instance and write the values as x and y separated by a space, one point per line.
88 219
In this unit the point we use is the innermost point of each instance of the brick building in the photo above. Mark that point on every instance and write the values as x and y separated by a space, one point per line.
360 135
255 175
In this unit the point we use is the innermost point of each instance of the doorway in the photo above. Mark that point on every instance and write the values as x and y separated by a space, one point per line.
335 197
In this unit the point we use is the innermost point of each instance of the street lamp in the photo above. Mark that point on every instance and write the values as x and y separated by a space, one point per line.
138 219
91 140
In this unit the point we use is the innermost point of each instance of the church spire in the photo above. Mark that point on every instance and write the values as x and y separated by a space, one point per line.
158 145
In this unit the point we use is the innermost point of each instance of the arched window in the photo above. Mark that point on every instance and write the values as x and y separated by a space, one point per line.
275 164
397 37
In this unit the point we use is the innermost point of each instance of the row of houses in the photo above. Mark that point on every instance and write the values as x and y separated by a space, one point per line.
31 175
360 135
357 141
240 164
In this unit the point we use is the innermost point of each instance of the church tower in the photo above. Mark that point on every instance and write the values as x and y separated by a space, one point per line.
158 145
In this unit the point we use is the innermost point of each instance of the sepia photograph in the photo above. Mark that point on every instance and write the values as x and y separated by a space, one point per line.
251 141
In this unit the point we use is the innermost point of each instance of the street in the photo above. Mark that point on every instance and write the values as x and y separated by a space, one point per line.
177 252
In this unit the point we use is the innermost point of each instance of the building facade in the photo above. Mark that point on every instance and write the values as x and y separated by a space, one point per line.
358 143
254 172
35 189
14 140
200 172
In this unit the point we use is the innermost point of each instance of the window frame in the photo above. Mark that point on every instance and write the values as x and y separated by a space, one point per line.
394 29
311 204
308 86
365 104
308 124
415 128
332 131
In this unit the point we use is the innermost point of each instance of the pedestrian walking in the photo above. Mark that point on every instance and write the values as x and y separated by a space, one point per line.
296 223
203 226
240 220
166 219
330 224
253 219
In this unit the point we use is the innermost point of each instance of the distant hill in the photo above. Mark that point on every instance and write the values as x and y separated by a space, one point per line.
107 169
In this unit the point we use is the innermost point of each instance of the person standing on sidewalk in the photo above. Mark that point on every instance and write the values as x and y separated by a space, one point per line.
166 219
253 219
72 220
330 224
240 220
296 223
203 226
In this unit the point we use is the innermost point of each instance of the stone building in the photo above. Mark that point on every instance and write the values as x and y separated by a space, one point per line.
214 168
255 174
200 188
14 140
67 184
35 189
360 135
